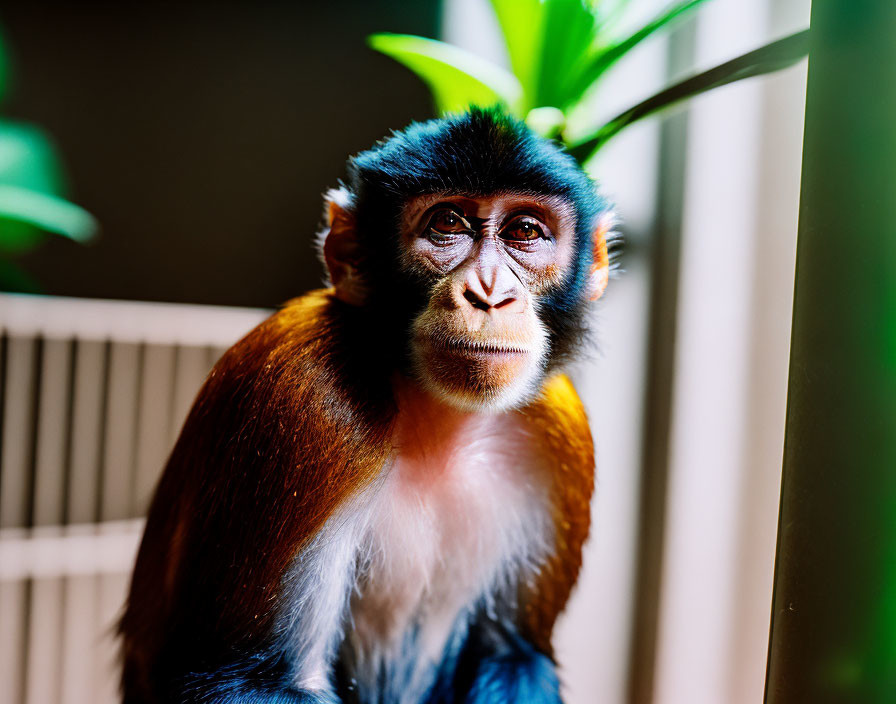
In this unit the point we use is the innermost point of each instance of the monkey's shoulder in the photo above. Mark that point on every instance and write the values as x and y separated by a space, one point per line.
305 361
558 419
302 331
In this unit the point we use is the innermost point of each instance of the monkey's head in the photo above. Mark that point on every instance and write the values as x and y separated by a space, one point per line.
475 245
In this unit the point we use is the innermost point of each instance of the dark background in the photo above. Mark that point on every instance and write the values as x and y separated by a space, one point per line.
202 135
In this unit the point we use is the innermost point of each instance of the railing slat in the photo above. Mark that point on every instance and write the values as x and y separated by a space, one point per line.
121 419
153 435
43 683
13 606
78 639
110 594
52 431
18 427
190 371
87 420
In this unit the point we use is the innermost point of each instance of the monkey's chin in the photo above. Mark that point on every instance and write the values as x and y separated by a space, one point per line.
479 377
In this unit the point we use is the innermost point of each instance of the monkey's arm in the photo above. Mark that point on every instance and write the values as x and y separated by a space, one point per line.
288 426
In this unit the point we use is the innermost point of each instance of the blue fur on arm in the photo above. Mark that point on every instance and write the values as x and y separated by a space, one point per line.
494 664
522 675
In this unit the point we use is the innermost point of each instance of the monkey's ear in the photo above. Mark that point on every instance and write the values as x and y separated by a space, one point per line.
600 262
341 250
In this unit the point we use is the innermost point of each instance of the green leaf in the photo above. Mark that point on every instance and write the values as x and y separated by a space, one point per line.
547 41
28 158
767 59
568 28
42 211
457 78
608 56
521 24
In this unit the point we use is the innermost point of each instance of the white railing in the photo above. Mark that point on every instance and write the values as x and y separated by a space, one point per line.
92 395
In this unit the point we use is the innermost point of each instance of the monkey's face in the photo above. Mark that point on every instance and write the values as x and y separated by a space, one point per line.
479 342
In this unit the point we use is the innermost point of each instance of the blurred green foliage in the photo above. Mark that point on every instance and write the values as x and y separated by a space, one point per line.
559 50
31 186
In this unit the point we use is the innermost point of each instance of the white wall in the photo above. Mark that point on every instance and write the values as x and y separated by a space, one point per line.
735 296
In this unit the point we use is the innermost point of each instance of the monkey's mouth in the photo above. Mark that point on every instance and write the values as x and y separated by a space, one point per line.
483 349
477 373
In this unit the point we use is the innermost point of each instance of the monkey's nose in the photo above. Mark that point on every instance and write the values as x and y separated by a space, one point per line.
487 302
495 296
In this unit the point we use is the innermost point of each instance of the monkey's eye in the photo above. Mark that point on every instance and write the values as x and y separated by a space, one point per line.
524 229
445 224
447 221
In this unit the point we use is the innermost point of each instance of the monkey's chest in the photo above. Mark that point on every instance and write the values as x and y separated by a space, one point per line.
449 531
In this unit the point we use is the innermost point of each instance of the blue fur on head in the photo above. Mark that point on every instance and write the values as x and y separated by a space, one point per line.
476 153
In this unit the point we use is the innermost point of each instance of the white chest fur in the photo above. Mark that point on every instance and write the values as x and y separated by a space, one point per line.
453 522
462 511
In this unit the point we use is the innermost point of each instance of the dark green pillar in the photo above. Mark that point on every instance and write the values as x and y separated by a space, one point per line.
834 615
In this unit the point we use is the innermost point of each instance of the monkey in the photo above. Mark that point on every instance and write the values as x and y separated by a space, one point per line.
381 493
